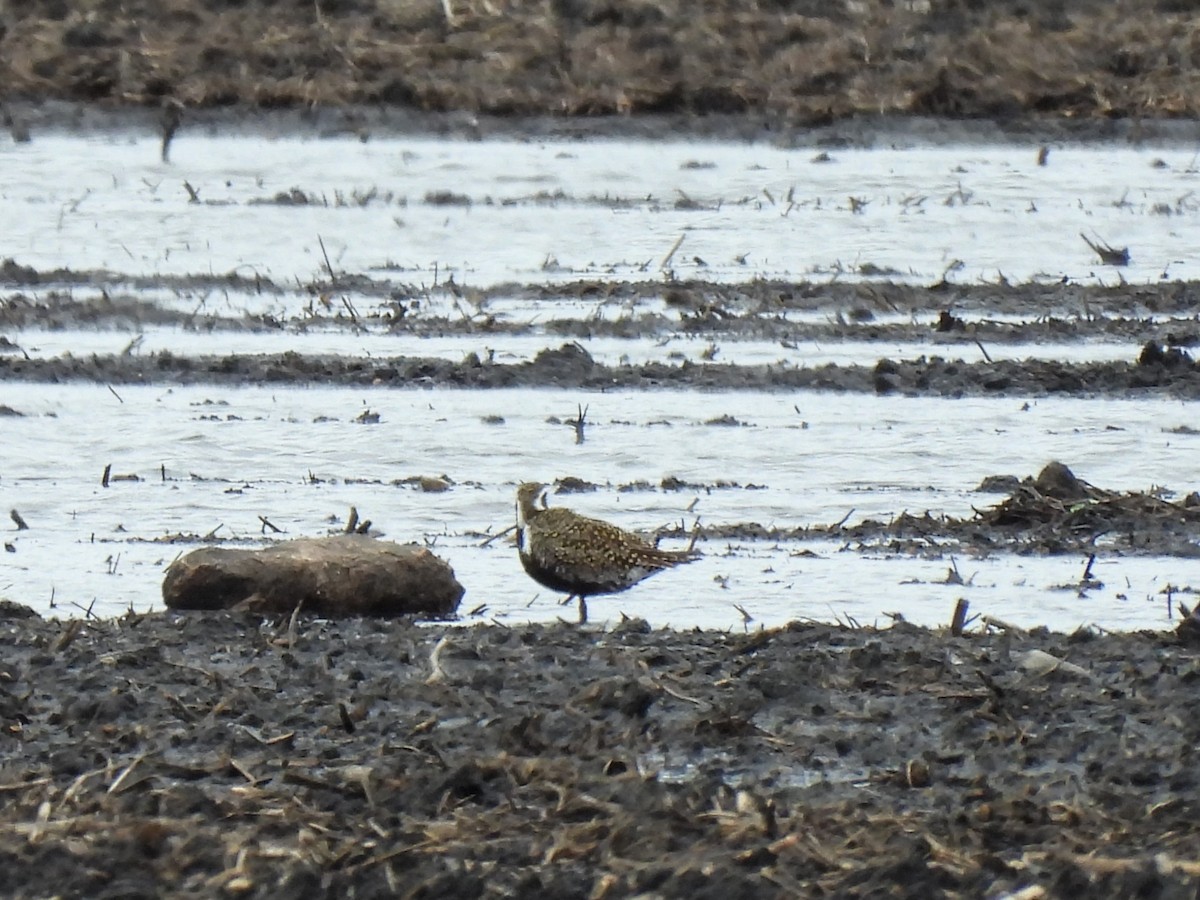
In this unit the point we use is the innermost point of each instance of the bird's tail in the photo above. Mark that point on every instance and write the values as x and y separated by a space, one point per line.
664 559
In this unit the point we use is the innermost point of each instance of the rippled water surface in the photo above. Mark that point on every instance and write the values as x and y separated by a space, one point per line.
499 211
211 459
216 459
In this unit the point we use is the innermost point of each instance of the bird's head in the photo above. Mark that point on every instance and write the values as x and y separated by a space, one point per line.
528 495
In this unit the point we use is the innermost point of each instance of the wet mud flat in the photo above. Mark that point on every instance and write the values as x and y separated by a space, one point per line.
955 321
225 755
571 366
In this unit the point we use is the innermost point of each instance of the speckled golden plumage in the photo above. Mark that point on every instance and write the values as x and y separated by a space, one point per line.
567 552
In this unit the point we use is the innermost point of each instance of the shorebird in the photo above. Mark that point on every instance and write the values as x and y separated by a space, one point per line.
565 551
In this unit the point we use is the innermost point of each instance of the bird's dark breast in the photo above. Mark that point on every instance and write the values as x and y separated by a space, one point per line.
559 579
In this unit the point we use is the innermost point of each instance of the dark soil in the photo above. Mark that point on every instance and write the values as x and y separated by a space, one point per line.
771 66
571 366
211 755
934 376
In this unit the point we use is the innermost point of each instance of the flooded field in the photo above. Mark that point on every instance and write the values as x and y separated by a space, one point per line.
824 286
500 250
213 460
494 211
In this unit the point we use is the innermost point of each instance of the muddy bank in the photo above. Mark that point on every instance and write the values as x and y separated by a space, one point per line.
1054 512
31 118
760 309
1157 372
798 63
1156 320
219 754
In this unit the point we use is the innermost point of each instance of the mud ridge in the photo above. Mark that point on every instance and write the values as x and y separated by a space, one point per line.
944 315
859 300
1164 372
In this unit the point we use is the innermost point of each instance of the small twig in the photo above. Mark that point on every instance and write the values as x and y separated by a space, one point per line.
266 523
16 517
954 576
437 673
291 637
241 769
666 260
24 785
959 620
990 683
104 478
344 715
993 622
678 696
68 636
1087 569
509 530
579 424
114 393
262 738
171 120
1109 256
328 265
115 787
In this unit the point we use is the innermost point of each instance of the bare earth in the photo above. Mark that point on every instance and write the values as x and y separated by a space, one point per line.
220 755
775 63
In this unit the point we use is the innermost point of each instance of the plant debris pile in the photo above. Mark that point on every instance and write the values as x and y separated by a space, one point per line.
1054 512
1056 508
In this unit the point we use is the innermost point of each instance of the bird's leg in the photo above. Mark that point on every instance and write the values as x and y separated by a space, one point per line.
567 600
582 610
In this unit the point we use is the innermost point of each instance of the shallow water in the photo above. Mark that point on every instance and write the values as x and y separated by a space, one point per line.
418 211
218 458
612 351
498 211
